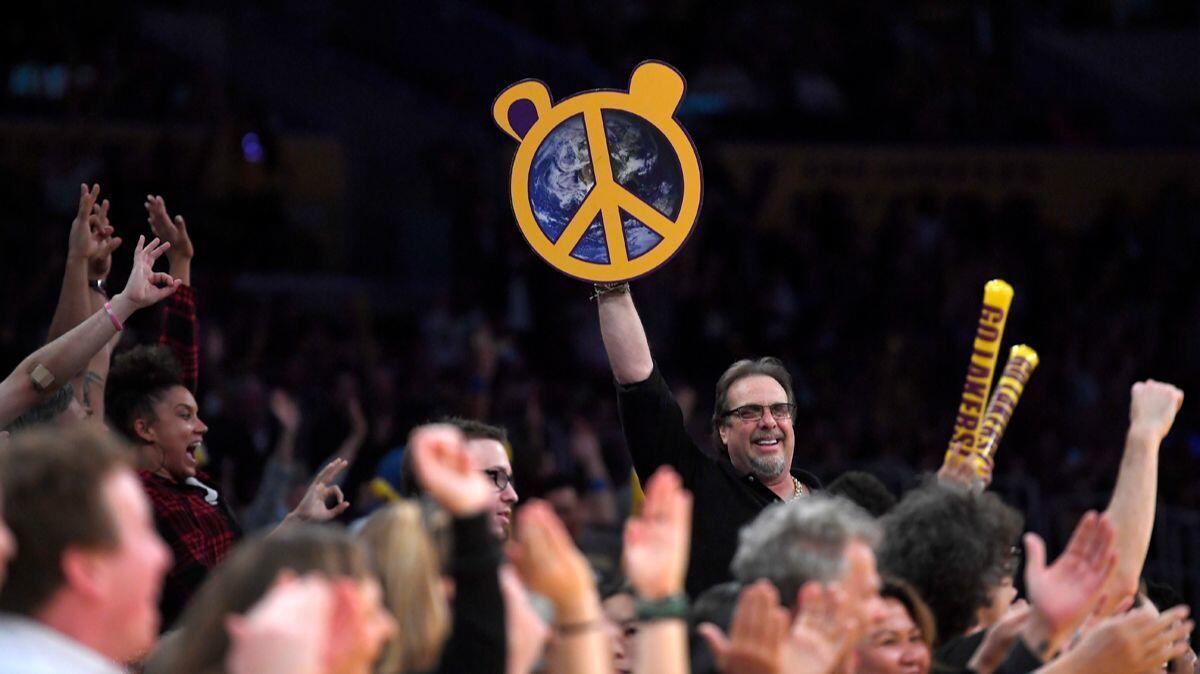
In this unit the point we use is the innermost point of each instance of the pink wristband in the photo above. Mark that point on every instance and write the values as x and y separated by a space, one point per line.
113 317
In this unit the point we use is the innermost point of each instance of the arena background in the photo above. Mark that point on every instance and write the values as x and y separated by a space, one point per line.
868 166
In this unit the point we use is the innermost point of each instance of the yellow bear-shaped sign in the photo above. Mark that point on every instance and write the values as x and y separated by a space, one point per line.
603 221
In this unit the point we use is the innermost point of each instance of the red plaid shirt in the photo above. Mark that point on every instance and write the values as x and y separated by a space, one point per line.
199 534
180 330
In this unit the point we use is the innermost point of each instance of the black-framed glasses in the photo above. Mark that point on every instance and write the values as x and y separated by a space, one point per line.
755 412
499 478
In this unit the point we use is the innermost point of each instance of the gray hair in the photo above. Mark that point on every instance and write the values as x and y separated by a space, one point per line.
792 543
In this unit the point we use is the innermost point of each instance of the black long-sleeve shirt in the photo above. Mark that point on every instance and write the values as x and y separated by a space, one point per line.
478 642
724 499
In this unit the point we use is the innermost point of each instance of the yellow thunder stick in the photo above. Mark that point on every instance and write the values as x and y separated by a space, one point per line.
1021 362
997 297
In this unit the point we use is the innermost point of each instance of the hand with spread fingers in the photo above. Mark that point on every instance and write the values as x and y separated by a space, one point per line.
1136 642
999 638
822 633
756 635
314 506
656 542
146 286
1063 594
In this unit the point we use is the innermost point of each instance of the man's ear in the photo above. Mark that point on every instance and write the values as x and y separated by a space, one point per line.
723 431
144 430
82 571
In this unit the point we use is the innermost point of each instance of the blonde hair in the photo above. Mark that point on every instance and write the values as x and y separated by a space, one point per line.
409 567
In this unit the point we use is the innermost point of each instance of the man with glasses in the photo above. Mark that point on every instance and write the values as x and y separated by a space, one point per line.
488 446
751 429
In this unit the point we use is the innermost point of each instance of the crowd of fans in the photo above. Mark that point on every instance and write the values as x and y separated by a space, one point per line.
212 472
122 550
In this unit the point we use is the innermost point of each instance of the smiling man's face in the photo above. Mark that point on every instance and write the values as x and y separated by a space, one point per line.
764 447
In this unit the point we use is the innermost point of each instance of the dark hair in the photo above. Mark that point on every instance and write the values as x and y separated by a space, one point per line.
768 366
864 489
715 605
471 430
53 488
245 577
46 412
918 610
477 430
953 546
136 381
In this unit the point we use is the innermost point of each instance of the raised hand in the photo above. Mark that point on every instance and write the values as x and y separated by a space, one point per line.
286 411
1064 593
1000 638
1152 407
527 632
173 231
270 639
965 468
550 564
1137 641
822 633
313 508
756 635
91 239
146 286
447 472
656 542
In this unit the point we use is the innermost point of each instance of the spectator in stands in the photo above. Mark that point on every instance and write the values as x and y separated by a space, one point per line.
81 593
901 642
488 448
361 624
864 489
149 404
52 366
751 428
464 634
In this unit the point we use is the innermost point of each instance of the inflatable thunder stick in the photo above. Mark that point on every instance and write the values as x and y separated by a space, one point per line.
997 297
1021 362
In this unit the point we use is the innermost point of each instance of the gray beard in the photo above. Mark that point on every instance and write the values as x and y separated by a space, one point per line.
767 467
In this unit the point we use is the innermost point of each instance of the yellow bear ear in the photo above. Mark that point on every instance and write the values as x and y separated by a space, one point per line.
519 107
658 87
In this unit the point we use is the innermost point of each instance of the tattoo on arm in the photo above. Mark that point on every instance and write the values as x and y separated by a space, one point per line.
89 379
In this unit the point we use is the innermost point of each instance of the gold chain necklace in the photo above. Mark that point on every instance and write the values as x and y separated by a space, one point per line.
797 489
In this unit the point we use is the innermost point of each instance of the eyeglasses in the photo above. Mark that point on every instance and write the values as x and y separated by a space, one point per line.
499 478
755 412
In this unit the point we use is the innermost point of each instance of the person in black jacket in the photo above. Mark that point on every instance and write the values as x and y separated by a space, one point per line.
752 431
466 634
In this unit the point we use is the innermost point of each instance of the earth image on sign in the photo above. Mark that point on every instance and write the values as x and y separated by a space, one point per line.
606 184
561 177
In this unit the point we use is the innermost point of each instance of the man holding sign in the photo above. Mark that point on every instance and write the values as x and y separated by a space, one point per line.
752 428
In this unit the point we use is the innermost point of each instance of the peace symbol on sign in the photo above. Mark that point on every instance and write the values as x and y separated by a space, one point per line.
598 220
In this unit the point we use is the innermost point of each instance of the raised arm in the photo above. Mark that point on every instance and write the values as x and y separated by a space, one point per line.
624 337
1152 409
180 322
60 360
656 560
552 566
175 232
90 245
